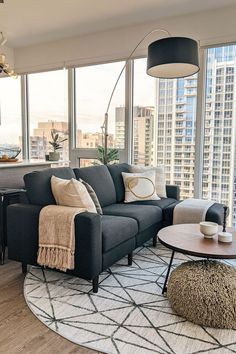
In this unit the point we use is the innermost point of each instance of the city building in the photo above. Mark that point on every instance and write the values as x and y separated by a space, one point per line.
39 141
88 140
120 127
175 143
176 122
143 133
143 130
219 169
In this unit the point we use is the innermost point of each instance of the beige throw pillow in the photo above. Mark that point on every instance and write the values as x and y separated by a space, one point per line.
160 180
93 196
71 193
139 186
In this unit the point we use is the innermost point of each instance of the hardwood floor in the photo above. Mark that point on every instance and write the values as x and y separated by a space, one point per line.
20 330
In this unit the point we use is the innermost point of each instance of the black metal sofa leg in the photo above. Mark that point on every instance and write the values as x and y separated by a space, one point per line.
95 284
24 267
154 241
130 258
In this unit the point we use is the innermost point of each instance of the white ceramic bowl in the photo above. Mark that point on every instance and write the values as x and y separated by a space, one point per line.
208 228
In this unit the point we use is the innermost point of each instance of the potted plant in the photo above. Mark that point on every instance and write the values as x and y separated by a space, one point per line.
110 157
56 144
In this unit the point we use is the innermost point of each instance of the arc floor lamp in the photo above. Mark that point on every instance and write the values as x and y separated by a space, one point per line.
168 58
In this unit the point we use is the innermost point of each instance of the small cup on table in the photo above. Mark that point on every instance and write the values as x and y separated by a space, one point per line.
208 228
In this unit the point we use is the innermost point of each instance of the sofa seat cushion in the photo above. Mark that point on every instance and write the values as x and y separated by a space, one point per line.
145 216
162 203
116 230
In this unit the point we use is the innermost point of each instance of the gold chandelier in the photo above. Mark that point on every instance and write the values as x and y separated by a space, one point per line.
4 66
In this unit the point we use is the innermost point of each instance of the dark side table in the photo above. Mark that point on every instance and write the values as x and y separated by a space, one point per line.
7 196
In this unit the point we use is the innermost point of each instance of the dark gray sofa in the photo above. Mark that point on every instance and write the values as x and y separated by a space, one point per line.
100 240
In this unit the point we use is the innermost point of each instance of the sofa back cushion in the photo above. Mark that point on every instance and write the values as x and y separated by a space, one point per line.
38 184
115 171
101 181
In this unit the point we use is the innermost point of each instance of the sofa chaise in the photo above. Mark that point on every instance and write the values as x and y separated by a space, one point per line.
101 240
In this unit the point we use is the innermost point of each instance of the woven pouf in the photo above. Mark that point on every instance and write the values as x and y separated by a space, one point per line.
204 292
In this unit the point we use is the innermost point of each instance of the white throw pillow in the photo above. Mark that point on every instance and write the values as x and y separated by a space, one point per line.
139 186
160 181
72 193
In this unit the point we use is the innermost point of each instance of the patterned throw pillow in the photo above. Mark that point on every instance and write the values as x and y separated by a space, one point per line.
160 180
139 186
93 195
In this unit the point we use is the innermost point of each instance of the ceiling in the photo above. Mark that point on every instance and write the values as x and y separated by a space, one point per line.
26 22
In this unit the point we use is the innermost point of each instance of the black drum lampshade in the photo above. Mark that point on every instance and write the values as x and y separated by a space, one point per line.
173 57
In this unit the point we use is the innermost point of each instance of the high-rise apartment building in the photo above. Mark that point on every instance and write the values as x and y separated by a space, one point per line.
219 144
143 132
120 127
92 141
176 107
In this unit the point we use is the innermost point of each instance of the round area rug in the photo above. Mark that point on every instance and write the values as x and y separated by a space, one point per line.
127 315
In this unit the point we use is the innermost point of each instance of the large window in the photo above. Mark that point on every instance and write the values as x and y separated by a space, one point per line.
94 85
164 120
10 116
219 169
164 117
48 111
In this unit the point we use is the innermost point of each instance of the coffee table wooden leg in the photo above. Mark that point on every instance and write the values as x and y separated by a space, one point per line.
164 289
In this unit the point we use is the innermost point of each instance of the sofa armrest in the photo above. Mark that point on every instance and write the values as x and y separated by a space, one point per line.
22 234
172 191
88 245
23 197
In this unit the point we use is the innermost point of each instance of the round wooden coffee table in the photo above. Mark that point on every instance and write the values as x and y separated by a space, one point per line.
187 239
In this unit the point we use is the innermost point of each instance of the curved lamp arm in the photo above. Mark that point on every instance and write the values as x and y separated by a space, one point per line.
129 57
105 124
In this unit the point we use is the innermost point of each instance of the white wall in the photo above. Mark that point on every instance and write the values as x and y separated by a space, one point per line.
210 27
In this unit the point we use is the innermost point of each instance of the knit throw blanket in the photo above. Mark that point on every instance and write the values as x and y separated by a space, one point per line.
57 236
191 211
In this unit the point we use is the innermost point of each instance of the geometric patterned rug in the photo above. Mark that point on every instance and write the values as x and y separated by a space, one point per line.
128 315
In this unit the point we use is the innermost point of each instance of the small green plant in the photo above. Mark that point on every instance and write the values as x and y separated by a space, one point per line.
112 155
57 141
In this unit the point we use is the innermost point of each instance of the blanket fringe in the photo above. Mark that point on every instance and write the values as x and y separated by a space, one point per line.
56 258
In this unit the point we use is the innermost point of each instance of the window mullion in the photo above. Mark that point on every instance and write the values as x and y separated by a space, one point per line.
25 117
128 112
199 130
72 116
